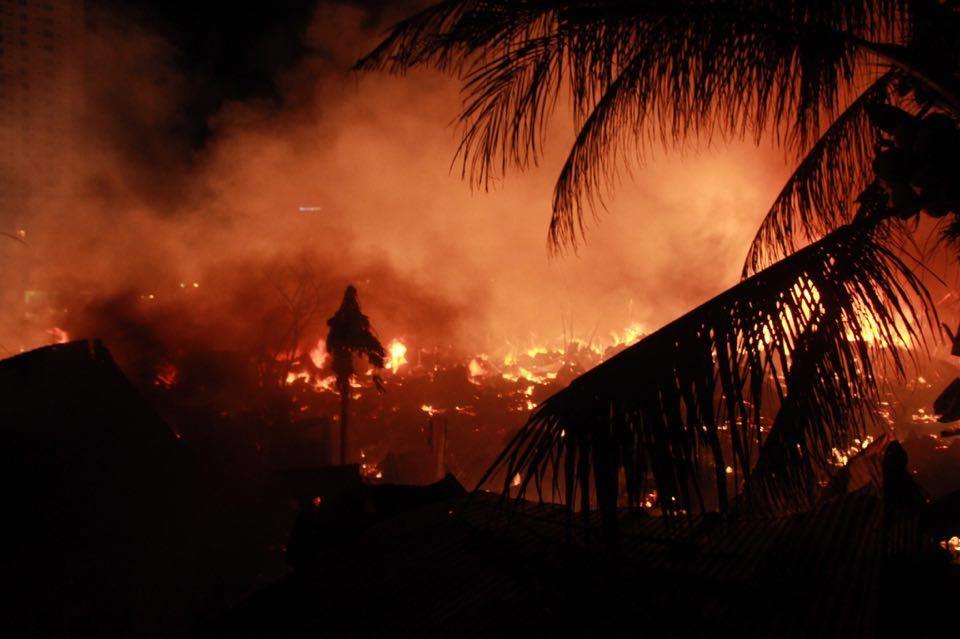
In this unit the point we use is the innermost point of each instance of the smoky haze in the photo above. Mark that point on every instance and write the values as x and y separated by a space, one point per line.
348 179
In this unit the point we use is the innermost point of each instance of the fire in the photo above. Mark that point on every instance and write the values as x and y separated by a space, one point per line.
397 356
867 330
430 410
298 375
649 500
842 457
629 335
477 369
528 375
59 335
326 384
166 376
871 333
480 396
952 546
318 354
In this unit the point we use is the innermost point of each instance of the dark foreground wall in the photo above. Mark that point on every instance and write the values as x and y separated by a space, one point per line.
91 485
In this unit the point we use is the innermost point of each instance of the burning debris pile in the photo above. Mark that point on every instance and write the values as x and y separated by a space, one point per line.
438 410
267 397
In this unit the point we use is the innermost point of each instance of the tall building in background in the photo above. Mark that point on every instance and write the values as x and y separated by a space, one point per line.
41 95
41 53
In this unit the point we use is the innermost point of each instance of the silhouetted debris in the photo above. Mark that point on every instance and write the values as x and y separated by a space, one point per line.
388 500
96 529
950 432
942 517
332 523
463 567
305 485
947 404
954 340
902 498
409 467
302 443
864 469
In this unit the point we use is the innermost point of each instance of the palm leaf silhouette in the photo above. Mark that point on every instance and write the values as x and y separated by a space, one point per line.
647 72
833 170
788 340
691 395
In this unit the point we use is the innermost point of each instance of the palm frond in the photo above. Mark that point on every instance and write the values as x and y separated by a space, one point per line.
799 450
836 167
690 398
665 72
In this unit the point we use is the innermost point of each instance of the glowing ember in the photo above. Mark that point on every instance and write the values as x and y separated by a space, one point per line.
430 410
166 376
842 457
649 500
370 471
952 546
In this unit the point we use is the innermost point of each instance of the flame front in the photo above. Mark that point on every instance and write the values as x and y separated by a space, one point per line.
397 356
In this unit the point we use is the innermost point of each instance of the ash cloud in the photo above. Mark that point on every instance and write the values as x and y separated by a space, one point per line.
350 176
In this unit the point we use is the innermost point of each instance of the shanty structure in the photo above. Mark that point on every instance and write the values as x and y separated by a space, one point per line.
466 567
95 529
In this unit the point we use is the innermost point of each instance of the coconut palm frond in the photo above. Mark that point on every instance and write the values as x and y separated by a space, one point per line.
835 167
508 103
451 34
666 72
690 398
798 452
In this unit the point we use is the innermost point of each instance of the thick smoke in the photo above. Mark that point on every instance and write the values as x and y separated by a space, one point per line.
347 179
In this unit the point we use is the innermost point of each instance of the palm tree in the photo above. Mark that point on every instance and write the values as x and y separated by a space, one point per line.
350 335
864 93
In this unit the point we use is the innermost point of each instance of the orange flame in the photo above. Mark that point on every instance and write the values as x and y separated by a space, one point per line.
397 352
59 335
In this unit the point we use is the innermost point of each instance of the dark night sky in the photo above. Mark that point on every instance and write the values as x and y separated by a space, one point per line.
228 50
